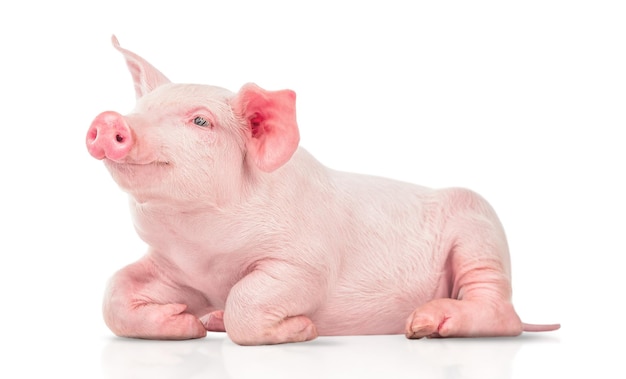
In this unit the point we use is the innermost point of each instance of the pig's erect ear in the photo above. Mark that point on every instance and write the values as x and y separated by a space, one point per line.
272 135
145 76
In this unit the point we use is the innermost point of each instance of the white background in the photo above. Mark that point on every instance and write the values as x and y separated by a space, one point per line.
524 103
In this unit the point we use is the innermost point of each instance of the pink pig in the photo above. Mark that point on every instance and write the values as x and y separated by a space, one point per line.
249 234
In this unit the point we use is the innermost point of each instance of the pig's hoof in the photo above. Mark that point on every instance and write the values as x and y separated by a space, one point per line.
463 318
158 321
424 325
291 329
430 319
170 321
214 321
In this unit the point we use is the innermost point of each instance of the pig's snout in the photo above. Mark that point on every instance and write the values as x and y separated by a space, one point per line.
109 136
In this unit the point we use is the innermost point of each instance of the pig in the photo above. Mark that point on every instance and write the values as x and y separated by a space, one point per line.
249 234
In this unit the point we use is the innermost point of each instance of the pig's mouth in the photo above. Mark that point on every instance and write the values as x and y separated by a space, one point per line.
138 178
154 163
135 175
136 168
137 164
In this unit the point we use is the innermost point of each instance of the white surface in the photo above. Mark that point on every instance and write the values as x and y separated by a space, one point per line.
523 103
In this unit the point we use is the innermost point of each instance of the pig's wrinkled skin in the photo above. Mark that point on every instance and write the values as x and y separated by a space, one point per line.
249 234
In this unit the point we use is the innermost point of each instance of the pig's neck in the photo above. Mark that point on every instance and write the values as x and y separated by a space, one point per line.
265 207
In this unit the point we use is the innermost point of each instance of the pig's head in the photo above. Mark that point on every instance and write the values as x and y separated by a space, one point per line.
193 143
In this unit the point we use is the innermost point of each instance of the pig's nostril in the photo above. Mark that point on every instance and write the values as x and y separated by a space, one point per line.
119 138
93 133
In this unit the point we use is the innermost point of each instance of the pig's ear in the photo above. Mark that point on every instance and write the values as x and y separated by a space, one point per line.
145 76
272 130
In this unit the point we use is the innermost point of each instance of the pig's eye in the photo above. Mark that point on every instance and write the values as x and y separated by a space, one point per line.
201 121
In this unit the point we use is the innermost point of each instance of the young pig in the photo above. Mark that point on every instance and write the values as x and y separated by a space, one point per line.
249 234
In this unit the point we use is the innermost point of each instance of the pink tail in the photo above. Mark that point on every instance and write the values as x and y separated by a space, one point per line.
540 327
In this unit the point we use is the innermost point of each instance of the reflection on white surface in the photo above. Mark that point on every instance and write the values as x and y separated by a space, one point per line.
359 356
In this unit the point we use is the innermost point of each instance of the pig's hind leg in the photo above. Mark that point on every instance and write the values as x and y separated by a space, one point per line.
463 318
140 303
478 268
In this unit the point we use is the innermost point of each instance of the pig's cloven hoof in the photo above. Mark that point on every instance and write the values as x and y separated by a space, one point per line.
291 329
214 321
462 318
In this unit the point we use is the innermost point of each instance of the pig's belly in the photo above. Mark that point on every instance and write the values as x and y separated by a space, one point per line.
378 321
380 306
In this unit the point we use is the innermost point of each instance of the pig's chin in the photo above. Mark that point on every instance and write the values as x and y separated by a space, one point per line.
133 177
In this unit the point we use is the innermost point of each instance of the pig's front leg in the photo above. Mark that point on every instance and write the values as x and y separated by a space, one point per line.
269 305
140 302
